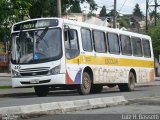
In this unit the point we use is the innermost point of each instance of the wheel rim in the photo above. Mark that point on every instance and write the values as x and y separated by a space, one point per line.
132 81
86 83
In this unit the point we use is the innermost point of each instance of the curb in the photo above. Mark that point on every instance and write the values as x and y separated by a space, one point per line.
5 75
27 111
144 101
147 85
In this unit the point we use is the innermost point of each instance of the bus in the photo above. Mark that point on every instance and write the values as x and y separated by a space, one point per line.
54 53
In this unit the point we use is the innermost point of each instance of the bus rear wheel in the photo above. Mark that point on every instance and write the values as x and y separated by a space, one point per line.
41 91
85 87
130 85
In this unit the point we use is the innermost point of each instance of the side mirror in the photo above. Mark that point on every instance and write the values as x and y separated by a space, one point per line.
71 34
65 35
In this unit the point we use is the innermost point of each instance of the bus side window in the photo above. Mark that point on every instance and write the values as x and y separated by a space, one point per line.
71 43
99 41
113 43
146 48
126 45
86 40
137 46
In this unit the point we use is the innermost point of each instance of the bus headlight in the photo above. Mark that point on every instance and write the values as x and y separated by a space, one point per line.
55 70
15 73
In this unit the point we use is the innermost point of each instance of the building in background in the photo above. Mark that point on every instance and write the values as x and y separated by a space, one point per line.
82 17
76 16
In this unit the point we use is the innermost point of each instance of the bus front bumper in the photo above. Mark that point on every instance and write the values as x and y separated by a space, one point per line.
39 80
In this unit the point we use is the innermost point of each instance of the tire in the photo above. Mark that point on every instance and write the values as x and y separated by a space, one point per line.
126 87
85 87
96 88
41 91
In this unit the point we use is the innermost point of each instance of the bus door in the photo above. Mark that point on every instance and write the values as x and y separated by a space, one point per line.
72 52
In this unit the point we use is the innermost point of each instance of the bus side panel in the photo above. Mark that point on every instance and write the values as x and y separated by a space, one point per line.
118 74
108 69
73 74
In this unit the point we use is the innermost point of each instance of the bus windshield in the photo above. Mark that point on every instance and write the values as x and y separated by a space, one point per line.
36 46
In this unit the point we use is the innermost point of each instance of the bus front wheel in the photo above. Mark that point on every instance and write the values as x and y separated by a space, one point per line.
130 85
41 91
85 87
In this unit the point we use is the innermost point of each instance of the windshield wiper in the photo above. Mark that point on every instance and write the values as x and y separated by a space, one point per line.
41 36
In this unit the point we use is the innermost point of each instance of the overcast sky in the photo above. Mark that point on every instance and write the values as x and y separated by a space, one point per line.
123 6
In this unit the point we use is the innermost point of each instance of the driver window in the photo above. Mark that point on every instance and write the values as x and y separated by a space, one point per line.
71 43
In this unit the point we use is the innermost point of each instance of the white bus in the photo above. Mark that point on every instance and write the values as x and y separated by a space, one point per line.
54 53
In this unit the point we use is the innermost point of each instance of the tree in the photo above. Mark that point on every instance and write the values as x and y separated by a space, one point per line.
103 12
111 13
124 22
90 14
75 8
93 5
11 11
41 8
47 8
154 33
137 12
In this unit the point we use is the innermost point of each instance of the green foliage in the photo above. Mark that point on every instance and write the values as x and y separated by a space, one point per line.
48 8
137 11
103 12
90 14
12 11
93 5
111 13
5 87
124 22
75 8
154 33
42 8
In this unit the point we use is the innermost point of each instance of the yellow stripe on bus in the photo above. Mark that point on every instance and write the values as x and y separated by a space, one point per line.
111 61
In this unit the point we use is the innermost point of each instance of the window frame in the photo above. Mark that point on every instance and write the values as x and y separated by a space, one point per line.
133 46
106 49
91 39
70 43
143 39
121 44
116 53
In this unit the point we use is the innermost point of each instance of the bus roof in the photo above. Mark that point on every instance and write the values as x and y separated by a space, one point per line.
103 28
90 26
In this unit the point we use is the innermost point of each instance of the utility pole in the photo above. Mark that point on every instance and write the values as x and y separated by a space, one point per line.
155 14
149 4
115 14
59 8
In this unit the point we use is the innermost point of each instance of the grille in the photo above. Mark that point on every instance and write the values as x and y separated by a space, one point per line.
34 71
42 81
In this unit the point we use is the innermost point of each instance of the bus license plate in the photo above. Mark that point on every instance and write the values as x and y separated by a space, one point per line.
34 81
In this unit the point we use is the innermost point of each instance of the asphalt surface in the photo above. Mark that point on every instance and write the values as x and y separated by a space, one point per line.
27 97
142 109
57 96
5 81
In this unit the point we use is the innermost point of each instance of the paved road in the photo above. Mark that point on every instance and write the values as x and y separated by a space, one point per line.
5 81
68 96
145 109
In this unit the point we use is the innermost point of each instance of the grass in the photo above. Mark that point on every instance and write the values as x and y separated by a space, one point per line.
5 87
3 69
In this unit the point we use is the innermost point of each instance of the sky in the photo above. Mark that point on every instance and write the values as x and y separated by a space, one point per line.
123 6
